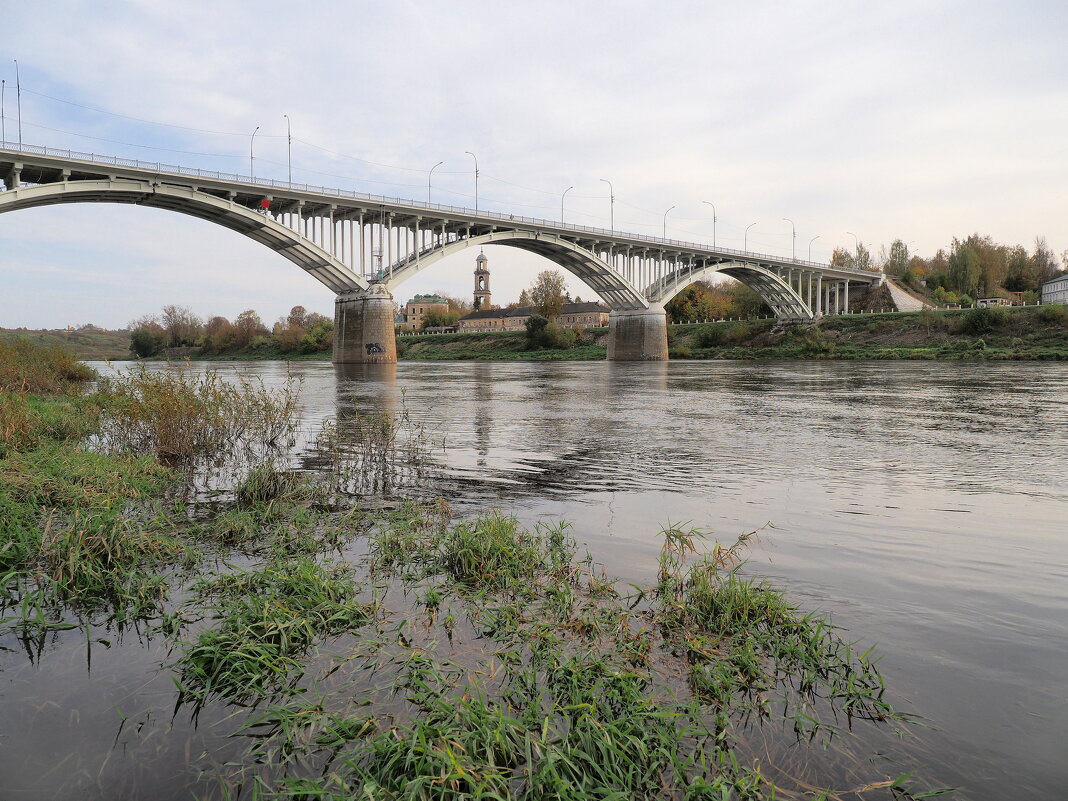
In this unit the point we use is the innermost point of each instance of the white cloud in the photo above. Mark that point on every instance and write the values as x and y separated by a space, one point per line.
904 119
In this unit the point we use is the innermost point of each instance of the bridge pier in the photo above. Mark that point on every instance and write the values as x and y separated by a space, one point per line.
363 327
638 335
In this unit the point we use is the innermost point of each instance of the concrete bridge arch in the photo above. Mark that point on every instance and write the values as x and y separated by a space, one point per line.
259 227
785 302
618 293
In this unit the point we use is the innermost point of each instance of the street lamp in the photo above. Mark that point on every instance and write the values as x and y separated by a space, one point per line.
745 238
810 246
252 158
611 205
18 99
428 177
856 240
562 203
3 119
713 205
289 140
665 222
472 155
793 240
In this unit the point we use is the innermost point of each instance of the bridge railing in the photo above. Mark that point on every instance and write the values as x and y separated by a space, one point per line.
252 181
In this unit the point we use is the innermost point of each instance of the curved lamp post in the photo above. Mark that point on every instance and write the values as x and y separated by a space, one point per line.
611 205
856 240
745 239
429 176
793 239
252 158
289 142
472 155
562 203
810 246
713 205
665 222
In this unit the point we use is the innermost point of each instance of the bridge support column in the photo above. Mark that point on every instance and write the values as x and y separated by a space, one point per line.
638 335
363 327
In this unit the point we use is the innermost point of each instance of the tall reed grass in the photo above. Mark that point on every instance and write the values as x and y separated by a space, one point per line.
180 416
29 368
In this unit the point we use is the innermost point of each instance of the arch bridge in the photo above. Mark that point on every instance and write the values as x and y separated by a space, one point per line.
364 246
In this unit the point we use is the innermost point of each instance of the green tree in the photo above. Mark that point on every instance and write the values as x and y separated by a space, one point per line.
964 267
143 343
897 260
439 319
524 298
549 293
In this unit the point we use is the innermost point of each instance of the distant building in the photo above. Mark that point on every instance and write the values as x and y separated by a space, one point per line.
416 309
984 303
1055 290
574 315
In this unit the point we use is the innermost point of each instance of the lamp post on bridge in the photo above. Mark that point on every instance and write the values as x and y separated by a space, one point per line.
18 99
713 205
289 142
430 176
665 222
611 206
810 246
745 238
472 155
3 119
251 157
856 241
562 203
793 239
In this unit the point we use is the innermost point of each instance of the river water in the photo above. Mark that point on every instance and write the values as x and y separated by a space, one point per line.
924 506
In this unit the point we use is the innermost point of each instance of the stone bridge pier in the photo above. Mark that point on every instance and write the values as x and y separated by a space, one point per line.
638 335
363 327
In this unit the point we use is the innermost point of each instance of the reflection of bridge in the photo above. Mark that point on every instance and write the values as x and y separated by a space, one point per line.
338 236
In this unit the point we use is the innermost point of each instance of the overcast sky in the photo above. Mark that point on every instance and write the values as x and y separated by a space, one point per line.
919 120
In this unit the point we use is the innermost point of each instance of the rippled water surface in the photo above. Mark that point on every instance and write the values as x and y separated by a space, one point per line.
924 505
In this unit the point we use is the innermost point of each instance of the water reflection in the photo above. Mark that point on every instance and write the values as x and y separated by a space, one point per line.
921 504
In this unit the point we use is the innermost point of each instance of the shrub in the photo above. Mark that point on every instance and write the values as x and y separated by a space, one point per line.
982 320
1055 313
681 352
711 337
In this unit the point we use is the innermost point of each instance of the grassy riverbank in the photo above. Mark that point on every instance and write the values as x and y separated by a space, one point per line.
978 334
359 641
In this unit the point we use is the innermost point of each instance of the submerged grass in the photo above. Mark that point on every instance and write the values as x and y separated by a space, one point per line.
264 620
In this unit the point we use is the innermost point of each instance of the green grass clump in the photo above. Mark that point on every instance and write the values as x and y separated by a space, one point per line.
264 621
102 558
491 552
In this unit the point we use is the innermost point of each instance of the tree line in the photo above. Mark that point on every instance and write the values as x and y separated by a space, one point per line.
175 326
970 268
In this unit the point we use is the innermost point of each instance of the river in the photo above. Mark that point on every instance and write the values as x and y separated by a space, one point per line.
923 505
